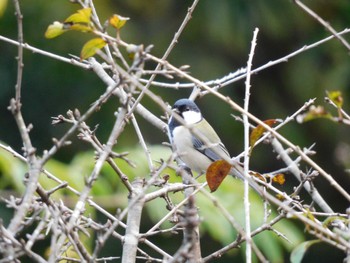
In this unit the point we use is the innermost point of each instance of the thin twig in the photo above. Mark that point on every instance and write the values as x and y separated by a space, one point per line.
235 225
190 241
294 169
80 205
246 148
161 221
20 50
282 124
61 142
71 61
142 142
241 239
242 74
174 41
323 22
283 59
140 109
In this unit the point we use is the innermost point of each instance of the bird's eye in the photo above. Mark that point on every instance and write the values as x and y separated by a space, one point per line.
184 108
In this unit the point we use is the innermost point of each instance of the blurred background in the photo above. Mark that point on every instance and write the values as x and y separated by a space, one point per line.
215 42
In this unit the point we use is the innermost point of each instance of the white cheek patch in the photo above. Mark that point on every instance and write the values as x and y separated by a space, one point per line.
192 117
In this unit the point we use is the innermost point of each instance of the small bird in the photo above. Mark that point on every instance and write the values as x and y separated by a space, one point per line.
197 144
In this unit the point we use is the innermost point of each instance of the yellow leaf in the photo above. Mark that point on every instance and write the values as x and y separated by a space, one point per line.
280 197
55 30
81 16
336 97
309 214
258 131
3 4
80 27
257 175
118 21
279 179
90 48
216 173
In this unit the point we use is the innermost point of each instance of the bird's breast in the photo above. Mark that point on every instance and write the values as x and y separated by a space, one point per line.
182 142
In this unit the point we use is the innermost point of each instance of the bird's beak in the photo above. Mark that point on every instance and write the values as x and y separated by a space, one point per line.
175 110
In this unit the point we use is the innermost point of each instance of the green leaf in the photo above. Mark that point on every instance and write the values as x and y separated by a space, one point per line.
314 112
81 16
90 48
55 29
298 253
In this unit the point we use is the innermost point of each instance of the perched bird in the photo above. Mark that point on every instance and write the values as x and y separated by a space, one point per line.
197 144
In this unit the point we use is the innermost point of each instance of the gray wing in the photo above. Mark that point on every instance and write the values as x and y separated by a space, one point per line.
214 153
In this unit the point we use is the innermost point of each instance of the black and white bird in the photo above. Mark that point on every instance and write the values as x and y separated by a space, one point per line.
196 144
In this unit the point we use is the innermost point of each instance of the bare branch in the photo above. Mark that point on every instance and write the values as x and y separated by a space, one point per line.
323 22
133 223
34 168
191 240
46 53
246 149
20 50
189 251
174 41
294 169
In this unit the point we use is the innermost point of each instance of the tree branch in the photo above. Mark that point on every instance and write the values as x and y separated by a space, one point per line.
323 22
246 149
133 223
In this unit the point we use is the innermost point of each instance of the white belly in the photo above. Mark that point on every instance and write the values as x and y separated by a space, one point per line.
194 159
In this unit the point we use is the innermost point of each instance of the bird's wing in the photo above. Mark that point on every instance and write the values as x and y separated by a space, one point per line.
214 152
214 149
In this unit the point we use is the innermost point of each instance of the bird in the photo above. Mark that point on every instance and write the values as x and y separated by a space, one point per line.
196 143
194 140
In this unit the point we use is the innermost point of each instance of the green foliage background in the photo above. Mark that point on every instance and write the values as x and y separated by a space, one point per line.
216 42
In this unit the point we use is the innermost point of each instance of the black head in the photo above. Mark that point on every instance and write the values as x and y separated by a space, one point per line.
183 105
188 110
